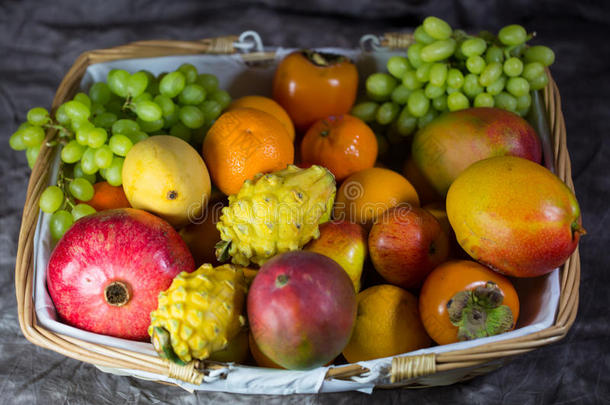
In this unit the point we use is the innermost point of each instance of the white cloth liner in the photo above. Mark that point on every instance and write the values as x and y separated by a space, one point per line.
539 298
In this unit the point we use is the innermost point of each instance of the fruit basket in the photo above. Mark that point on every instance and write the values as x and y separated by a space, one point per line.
244 67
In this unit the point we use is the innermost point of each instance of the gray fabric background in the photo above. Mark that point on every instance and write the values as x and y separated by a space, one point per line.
39 41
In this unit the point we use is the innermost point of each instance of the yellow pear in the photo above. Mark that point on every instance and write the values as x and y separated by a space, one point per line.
166 176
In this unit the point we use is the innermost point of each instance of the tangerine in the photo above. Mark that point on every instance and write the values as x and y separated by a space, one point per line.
242 143
267 105
343 144
108 197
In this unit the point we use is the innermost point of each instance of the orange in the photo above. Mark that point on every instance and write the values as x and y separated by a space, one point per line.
242 143
343 144
387 324
267 105
107 197
368 193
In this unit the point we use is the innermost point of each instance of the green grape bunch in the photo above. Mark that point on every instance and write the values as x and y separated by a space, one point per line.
448 70
96 130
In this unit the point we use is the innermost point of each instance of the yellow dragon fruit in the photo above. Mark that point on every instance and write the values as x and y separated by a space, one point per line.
274 213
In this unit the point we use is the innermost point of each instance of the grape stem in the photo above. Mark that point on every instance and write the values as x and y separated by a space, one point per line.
62 183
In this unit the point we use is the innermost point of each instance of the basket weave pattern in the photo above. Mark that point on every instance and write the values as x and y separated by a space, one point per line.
405 371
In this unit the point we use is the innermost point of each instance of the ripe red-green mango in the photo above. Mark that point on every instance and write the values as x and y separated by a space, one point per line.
453 141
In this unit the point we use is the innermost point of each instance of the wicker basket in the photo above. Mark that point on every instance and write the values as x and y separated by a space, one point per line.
405 371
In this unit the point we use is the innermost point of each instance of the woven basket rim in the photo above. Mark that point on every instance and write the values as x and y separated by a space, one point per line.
405 370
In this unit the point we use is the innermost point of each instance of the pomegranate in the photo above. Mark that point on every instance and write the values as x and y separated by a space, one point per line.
106 272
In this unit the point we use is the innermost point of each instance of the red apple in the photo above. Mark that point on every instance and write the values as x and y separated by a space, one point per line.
301 309
106 272
345 243
407 243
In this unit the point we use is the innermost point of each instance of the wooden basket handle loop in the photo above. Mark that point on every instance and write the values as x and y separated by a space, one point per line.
408 367
397 40
187 373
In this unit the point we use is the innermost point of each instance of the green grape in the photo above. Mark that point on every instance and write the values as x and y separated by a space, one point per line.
172 84
38 116
16 141
166 104
171 119
148 111
151 126
99 93
532 70
455 78
433 91
191 116
87 162
113 173
471 85
475 64
414 54
125 127
189 71
437 28
517 86
81 189
72 152
524 102
421 36
438 50
426 119
484 100
494 54
505 101
60 222
366 110
97 109
32 136
137 136
103 156
120 144
82 210
77 111
473 47
61 116
539 82
512 35
82 133
400 94
102 173
97 137
397 66
137 83
379 86
118 82
440 103
451 90
387 112
457 101
76 125
78 172
513 67
496 87
222 97
105 120
211 110
490 74
142 97
179 130
423 72
406 123
51 199
541 54
193 94
208 81
83 99
438 74
410 80
31 154
418 103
